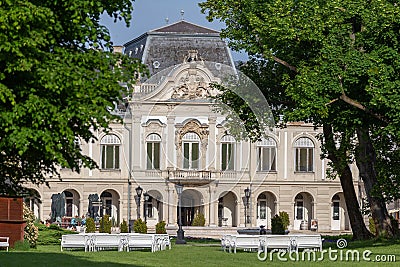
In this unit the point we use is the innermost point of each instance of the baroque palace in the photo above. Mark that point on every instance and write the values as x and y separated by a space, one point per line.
172 133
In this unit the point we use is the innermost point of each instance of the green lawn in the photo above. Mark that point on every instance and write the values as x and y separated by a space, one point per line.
193 254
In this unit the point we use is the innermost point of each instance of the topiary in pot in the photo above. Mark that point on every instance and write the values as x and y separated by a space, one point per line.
139 226
160 228
90 225
277 225
124 227
199 220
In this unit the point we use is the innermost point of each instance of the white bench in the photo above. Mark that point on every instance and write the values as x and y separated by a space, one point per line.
309 242
106 241
4 242
74 241
245 242
162 241
226 242
141 241
284 242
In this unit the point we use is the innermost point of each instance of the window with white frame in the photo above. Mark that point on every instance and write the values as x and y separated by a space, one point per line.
110 146
304 155
266 155
153 142
191 150
227 152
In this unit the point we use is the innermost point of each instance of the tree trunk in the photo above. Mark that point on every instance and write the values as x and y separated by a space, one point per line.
360 231
365 160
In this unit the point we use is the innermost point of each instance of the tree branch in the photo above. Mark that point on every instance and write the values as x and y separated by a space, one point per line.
284 63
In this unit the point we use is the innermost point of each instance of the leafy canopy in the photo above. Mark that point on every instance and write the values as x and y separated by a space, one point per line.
327 62
57 78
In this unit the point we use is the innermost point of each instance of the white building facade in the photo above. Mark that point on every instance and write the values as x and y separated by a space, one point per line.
172 133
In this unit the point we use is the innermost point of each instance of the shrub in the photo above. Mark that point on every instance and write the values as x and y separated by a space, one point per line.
139 226
277 227
105 224
285 219
199 220
51 235
90 225
160 228
371 226
22 245
31 232
124 227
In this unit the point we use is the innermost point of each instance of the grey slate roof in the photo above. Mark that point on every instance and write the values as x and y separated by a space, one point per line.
169 45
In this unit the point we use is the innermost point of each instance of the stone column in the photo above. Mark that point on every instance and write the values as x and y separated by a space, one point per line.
213 203
136 142
170 146
171 221
212 144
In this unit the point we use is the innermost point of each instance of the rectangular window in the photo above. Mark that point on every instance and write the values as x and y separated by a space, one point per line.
299 210
227 161
186 155
266 159
149 210
153 156
263 210
109 157
304 159
195 155
108 206
335 211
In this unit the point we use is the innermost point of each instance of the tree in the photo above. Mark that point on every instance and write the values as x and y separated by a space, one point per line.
335 63
58 75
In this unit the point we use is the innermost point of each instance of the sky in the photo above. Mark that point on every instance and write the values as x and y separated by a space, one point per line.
151 14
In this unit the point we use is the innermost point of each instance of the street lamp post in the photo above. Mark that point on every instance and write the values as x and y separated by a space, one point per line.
246 205
139 191
180 239
146 198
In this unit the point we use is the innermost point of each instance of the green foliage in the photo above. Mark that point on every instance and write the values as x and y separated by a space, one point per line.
124 227
277 227
51 235
31 232
105 224
90 225
160 228
199 220
139 226
333 64
55 88
285 219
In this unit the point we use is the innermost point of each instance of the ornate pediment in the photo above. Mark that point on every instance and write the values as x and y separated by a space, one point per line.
191 86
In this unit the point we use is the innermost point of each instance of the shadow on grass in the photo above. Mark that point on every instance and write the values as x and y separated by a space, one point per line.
70 258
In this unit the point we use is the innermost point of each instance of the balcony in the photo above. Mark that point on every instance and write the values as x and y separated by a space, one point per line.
191 177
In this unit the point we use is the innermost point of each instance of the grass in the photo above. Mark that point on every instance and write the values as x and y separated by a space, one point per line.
198 252
193 254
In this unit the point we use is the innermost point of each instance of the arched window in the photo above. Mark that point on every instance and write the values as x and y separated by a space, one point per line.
153 142
304 155
266 155
191 150
227 152
110 146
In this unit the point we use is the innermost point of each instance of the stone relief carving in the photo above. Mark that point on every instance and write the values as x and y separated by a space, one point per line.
191 86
